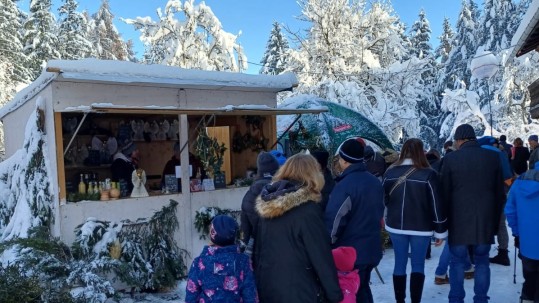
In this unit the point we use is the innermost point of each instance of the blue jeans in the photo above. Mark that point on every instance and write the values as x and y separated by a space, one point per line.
445 258
418 246
459 253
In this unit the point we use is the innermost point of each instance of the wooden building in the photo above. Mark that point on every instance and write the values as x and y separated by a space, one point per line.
89 102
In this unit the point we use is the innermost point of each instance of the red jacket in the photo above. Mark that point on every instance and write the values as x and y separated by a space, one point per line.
349 283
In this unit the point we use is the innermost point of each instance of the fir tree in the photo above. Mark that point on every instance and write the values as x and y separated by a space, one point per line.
274 60
197 40
446 38
463 49
72 33
106 39
40 40
11 47
495 32
420 36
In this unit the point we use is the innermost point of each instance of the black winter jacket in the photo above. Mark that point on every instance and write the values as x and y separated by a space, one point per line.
414 207
292 255
249 216
473 190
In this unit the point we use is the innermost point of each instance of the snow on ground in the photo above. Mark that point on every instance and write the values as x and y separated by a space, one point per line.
502 289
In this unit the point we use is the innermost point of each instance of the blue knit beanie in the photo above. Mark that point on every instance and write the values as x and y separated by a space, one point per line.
223 230
533 138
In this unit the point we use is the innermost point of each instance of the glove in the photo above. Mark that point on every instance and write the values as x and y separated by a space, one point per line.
517 242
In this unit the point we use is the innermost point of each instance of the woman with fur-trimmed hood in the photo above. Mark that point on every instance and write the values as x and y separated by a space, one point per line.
293 259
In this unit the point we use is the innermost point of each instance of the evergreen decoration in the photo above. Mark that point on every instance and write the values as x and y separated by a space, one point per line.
60 277
210 152
205 215
149 258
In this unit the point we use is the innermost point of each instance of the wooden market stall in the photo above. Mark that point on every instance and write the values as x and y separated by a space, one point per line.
525 40
89 104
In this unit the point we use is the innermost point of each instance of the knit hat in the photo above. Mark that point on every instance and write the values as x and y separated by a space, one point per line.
322 157
360 140
266 163
223 230
344 258
351 151
281 158
464 131
533 138
128 148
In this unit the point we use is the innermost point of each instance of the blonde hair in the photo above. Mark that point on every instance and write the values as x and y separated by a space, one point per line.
302 168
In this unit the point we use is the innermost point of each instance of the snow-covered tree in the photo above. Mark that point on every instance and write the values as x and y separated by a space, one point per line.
446 38
354 56
429 101
420 36
495 31
11 47
195 39
464 47
107 42
40 40
274 60
72 34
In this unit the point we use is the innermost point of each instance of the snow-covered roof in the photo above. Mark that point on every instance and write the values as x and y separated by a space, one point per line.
526 38
123 72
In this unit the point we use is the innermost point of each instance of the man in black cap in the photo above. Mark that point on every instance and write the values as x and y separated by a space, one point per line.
354 213
473 185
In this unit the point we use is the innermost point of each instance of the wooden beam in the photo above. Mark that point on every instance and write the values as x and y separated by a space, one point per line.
60 156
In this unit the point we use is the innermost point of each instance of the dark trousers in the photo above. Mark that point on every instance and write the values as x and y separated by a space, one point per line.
364 294
530 271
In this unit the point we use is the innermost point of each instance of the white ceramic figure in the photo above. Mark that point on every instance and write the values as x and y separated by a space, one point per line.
138 177
138 129
173 130
163 130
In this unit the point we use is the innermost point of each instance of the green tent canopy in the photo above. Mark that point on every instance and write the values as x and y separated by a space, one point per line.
328 129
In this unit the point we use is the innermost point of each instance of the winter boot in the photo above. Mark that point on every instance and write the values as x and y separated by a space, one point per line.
399 286
525 301
501 258
416 286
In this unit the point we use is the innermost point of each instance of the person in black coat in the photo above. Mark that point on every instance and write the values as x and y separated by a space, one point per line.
354 213
124 162
519 157
473 187
322 157
267 165
292 256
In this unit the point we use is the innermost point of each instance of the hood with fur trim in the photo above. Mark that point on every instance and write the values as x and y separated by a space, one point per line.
279 197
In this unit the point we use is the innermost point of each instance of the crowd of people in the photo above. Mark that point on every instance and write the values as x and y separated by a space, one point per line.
307 236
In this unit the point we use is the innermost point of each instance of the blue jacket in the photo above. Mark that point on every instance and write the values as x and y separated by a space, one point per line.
522 211
354 213
221 274
507 172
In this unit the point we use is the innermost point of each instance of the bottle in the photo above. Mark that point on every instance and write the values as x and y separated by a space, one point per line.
82 185
91 187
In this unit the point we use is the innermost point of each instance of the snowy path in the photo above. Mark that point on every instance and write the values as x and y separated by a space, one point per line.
502 289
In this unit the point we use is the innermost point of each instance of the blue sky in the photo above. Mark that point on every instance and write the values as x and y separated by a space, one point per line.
254 18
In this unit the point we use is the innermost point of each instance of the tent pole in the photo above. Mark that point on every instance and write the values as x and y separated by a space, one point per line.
286 131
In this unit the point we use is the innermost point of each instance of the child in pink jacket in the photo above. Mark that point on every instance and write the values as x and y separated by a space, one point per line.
345 257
